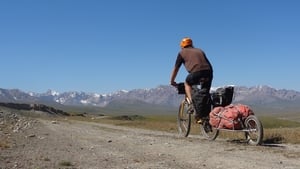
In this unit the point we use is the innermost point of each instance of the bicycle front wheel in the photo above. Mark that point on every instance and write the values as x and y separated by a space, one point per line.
184 119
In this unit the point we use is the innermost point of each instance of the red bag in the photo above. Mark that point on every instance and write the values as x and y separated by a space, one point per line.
214 119
229 117
244 110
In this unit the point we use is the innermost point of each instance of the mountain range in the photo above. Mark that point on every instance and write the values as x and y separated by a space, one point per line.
264 98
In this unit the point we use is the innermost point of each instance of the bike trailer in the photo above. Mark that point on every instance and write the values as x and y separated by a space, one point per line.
229 117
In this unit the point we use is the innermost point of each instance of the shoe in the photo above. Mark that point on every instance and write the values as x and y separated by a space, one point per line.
199 121
191 108
207 128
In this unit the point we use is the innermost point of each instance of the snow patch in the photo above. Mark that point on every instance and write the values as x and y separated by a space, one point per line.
84 101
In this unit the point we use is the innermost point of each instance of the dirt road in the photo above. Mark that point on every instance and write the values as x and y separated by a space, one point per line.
86 145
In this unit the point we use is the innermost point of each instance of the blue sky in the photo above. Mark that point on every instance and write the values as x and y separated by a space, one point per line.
105 46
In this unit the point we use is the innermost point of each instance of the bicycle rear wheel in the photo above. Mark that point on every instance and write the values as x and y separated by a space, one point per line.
255 132
184 119
208 131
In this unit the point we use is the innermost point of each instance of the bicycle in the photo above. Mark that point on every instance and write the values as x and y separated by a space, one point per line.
251 125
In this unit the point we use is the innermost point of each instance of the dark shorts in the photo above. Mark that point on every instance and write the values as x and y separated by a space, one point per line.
195 78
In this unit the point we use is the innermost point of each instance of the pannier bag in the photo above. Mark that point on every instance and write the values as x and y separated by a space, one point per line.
201 101
223 96
229 117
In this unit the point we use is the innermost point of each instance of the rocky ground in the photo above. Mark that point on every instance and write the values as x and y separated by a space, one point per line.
37 143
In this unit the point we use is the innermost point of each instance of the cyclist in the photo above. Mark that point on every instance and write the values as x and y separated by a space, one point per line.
199 69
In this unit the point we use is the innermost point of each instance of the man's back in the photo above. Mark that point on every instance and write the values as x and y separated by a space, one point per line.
195 59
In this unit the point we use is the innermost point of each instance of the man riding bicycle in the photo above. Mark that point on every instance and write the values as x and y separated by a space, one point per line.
200 72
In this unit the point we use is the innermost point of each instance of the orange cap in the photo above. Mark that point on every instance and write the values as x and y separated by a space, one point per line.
186 42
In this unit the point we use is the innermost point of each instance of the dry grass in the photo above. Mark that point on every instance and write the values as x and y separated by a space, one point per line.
272 134
282 135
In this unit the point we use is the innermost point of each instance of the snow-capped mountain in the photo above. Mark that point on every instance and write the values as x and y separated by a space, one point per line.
162 95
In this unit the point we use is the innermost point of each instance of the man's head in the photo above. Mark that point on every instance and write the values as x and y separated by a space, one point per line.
186 42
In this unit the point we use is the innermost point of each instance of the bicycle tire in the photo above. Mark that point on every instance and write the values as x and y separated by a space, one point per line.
208 131
255 134
184 119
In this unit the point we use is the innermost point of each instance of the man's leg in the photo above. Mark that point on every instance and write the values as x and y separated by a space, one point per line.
188 92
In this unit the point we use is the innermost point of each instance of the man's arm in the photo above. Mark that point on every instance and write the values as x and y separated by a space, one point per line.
173 76
179 61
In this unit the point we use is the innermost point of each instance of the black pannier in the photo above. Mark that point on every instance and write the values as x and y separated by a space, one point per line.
180 88
223 96
202 102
